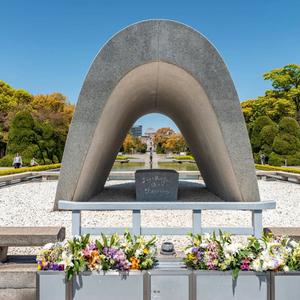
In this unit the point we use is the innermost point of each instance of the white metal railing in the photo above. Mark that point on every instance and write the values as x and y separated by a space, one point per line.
256 209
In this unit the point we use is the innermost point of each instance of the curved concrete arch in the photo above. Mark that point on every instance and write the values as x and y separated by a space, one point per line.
167 67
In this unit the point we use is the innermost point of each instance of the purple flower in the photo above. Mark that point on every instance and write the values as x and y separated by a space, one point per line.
55 267
195 250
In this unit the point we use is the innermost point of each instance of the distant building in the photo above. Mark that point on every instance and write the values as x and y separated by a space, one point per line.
150 132
147 138
136 130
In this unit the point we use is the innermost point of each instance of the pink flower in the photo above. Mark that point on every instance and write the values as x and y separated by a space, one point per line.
245 265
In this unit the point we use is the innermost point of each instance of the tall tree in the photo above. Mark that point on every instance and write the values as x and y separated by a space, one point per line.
161 137
175 143
286 84
24 135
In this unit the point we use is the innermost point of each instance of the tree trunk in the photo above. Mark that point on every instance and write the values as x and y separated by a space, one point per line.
298 116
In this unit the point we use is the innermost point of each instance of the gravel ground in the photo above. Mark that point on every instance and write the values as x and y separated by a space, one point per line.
30 204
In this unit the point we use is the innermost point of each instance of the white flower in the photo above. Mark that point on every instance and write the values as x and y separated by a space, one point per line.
256 265
138 252
203 245
293 243
67 259
48 246
231 249
188 250
286 268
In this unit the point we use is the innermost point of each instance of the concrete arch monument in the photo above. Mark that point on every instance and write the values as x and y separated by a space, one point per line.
166 67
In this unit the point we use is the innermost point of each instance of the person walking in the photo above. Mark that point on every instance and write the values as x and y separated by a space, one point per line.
17 162
33 162
263 158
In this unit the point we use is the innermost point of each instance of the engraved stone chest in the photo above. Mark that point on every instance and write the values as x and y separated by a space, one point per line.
156 185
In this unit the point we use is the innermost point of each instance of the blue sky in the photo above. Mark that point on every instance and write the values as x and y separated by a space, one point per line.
48 46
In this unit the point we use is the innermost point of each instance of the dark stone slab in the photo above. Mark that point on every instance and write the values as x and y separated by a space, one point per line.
156 185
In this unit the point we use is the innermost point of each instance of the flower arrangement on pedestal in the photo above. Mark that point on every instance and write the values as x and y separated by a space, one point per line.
205 252
219 252
106 253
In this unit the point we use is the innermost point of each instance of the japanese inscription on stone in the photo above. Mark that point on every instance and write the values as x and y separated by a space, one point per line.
156 185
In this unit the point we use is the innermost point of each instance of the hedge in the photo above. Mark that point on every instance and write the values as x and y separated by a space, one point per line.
184 157
121 157
271 168
29 169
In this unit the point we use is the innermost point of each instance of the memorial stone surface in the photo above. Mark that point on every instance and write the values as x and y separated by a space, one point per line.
156 185
165 67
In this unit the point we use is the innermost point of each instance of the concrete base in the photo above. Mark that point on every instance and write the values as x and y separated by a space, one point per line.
285 286
18 294
18 280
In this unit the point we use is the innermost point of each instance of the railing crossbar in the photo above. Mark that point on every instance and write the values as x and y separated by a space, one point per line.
255 208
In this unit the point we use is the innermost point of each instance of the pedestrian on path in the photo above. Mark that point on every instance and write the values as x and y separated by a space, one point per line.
17 162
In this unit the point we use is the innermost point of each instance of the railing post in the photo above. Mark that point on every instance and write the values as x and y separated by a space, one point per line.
76 222
197 228
136 221
257 223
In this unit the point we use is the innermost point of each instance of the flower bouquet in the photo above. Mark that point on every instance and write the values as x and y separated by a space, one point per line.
219 252
106 253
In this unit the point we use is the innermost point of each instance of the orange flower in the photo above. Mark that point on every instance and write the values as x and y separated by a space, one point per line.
134 263
93 259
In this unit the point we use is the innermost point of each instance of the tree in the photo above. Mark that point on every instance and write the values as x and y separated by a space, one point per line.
175 143
132 143
51 115
30 137
286 84
128 144
11 101
23 135
287 142
258 136
161 137
274 108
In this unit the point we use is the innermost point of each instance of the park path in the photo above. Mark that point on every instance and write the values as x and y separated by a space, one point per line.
146 158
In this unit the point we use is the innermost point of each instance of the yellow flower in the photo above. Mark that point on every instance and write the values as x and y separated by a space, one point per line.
146 251
190 256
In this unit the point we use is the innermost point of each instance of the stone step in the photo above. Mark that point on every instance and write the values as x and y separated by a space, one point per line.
18 276
18 294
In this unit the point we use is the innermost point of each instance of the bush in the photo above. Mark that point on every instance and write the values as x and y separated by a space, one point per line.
121 157
276 160
293 160
29 169
256 157
267 136
258 125
285 144
7 160
271 168
290 125
184 157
